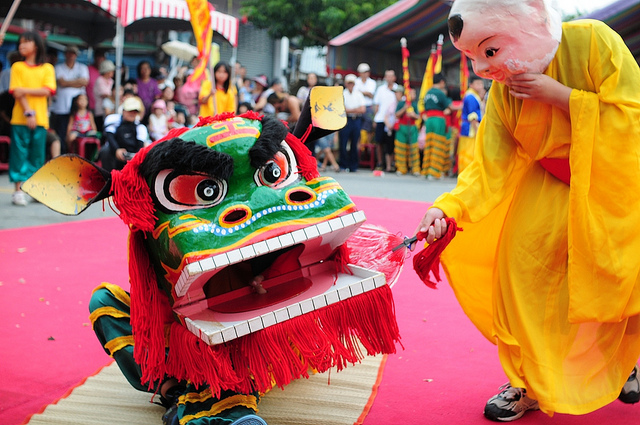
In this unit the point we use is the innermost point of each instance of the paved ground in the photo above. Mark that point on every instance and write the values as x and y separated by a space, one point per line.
361 183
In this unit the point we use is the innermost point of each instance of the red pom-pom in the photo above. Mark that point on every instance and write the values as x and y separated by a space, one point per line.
428 260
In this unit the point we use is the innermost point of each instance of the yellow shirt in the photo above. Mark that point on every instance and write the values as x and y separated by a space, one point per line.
33 77
225 102
550 272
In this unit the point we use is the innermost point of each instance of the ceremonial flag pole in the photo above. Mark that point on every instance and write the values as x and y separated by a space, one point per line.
464 74
405 73
8 18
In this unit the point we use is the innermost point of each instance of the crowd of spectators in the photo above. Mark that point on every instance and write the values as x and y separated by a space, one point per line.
82 104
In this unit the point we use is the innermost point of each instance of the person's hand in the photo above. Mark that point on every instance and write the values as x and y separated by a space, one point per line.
31 122
541 88
433 224
120 154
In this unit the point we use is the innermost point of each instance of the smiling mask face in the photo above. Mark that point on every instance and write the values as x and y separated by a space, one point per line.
505 37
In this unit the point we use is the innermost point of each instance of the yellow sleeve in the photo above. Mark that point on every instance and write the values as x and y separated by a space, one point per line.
50 78
15 79
497 167
604 205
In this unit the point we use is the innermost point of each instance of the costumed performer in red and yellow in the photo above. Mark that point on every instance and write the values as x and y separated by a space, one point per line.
547 267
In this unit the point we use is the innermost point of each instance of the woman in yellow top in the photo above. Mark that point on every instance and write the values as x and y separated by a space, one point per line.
225 94
32 82
548 264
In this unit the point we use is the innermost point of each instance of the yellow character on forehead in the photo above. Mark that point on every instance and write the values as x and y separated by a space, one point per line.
230 130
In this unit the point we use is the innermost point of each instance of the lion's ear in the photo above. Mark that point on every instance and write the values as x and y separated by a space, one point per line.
324 111
68 184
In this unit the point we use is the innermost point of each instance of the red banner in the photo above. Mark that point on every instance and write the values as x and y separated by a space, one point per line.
406 77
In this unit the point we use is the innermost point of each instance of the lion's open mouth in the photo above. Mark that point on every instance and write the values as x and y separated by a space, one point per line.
218 304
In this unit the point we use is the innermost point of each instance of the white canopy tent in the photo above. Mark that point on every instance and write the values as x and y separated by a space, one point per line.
95 20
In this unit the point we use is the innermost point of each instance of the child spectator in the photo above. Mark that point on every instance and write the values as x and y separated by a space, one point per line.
180 120
244 107
224 95
244 94
81 122
124 135
32 82
170 113
325 144
158 122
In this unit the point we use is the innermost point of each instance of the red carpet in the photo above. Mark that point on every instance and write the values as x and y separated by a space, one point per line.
444 375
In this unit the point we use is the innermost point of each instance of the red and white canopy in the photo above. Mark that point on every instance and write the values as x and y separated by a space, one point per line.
130 11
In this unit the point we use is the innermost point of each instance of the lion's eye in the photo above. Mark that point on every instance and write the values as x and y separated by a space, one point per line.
274 171
278 172
179 192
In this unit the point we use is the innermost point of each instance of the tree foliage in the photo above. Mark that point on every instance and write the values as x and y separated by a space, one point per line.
314 22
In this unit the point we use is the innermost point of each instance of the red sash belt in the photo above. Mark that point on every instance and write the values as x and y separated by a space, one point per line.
406 120
434 113
557 167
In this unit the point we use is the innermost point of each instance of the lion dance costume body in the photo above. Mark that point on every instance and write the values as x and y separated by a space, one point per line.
241 270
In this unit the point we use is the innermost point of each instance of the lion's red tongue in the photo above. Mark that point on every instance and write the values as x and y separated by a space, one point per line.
245 299
240 301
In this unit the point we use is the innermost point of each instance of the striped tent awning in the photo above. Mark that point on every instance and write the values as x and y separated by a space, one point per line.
95 20
377 39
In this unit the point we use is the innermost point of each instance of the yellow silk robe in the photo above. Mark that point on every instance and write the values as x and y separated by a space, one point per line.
550 271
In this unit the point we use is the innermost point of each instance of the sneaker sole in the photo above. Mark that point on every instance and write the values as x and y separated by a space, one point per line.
629 398
493 414
250 420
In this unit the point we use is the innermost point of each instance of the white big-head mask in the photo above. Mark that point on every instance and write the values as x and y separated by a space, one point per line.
506 37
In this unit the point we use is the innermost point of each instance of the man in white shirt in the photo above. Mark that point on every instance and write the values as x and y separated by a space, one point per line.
384 97
367 86
72 79
354 105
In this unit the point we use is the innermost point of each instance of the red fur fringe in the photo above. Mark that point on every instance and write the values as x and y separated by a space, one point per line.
132 196
428 260
150 310
319 340
326 338
306 161
215 118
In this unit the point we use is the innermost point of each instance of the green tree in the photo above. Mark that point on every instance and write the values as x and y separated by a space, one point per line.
312 22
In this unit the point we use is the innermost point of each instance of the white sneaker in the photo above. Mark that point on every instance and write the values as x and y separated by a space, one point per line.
509 404
19 198
630 393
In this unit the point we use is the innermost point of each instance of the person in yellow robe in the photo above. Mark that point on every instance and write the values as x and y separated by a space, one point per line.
225 94
548 264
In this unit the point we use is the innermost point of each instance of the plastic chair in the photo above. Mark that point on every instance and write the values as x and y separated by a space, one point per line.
82 145
368 155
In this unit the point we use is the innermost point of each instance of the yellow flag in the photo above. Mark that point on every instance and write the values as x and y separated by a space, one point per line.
201 23
434 66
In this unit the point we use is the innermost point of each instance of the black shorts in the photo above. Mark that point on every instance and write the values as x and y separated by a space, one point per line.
383 138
